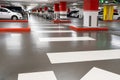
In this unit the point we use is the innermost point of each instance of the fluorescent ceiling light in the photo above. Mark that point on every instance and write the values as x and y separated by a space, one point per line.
30 0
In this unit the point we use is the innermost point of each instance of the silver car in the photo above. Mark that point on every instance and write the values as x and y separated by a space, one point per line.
8 14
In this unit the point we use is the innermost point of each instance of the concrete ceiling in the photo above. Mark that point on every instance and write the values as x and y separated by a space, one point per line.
34 3
30 4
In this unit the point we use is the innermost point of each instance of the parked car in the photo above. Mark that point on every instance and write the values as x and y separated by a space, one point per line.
8 14
116 15
18 10
76 14
48 15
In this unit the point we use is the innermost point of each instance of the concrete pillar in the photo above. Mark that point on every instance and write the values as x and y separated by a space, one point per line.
56 11
40 11
108 12
68 10
45 9
91 13
45 12
63 10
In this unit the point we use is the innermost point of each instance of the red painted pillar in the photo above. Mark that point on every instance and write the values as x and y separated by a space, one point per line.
45 8
91 13
56 11
45 12
40 9
68 10
63 10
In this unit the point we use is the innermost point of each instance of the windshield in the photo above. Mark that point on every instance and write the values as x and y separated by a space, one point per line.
15 9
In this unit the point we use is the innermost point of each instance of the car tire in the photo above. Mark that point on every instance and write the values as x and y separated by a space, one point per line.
80 16
100 19
14 18
77 16
118 18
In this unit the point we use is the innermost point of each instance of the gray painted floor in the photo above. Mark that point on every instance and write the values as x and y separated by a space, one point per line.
23 52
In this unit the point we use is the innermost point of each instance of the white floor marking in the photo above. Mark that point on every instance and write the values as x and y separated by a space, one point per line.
54 31
48 75
82 56
100 74
14 35
115 40
44 24
65 39
51 27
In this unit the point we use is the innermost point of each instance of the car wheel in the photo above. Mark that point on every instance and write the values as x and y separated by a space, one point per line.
80 16
100 19
77 16
118 18
14 18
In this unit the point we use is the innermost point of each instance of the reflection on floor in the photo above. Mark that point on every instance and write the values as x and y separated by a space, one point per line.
25 53
13 25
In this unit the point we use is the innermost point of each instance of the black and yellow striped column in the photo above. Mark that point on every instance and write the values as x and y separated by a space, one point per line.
108 12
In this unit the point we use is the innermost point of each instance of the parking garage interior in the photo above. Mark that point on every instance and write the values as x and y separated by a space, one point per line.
57 40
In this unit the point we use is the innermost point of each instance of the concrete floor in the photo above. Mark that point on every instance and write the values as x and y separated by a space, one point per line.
24 53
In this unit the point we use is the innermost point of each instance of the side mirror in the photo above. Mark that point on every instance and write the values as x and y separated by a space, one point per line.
8 12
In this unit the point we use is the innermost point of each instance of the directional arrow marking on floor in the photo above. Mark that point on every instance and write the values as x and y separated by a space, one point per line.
93 74
82 56
47 75
100 74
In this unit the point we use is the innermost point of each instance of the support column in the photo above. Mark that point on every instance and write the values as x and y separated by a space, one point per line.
90 22
40 11
108 12
91 13
45 9
45 12
68 10
63 10
56 11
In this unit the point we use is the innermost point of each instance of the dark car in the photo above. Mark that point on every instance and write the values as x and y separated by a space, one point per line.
74 14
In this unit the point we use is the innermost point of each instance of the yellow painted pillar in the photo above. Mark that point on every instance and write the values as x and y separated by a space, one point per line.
108 12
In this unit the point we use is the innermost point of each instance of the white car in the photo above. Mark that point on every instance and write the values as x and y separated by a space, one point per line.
8 14
76 13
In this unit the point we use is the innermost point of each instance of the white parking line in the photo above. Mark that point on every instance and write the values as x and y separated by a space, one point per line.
45 24
82 56
100 74
53 31
52 27
53 39
16 35
48 75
